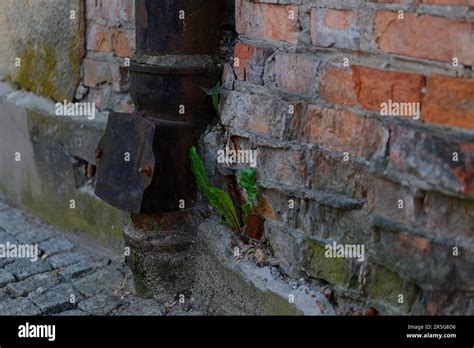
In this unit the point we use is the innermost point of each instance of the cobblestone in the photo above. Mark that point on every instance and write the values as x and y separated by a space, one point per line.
5 278
34 236
24 268
66 259
78 269
101 304
40 281
98 281
101 284
20 306
56 299
3 295
143 307
55 245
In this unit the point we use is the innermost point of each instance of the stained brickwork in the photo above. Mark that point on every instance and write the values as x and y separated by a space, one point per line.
110 40
305 89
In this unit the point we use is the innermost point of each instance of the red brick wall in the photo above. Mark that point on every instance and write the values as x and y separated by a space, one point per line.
110 40
305 89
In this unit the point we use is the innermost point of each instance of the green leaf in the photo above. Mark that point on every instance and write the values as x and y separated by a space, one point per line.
215 96
225 207
219 199
197 166
248 182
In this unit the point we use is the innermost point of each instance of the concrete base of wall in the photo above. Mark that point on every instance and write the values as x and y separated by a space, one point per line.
43 160
199 263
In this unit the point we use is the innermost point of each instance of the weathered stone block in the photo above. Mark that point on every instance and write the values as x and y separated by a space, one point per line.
386 285
287 246
335 271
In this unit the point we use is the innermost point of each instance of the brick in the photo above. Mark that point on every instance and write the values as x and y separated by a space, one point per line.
451 216
92 10
296 73
334 28
228 77
96 72
448 2
267 21
258 114
449 303
286 167
98 38
385 285
430 265
333 174
383 200
449 101
120 77
243 53
448 218
448 38
287 246
251 61
335 129
337 85
109 9
335 271
127 11
122 42
265 208
375 86
430 158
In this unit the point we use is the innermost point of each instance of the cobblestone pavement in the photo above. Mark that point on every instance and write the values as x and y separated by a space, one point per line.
71 276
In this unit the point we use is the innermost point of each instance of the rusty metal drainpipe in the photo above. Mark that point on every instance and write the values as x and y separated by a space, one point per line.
143 164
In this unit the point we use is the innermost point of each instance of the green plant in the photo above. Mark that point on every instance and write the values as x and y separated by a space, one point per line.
215 97
219 199
248 183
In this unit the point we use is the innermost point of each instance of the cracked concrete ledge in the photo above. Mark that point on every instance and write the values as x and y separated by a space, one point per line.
54 151
243 287
197 260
